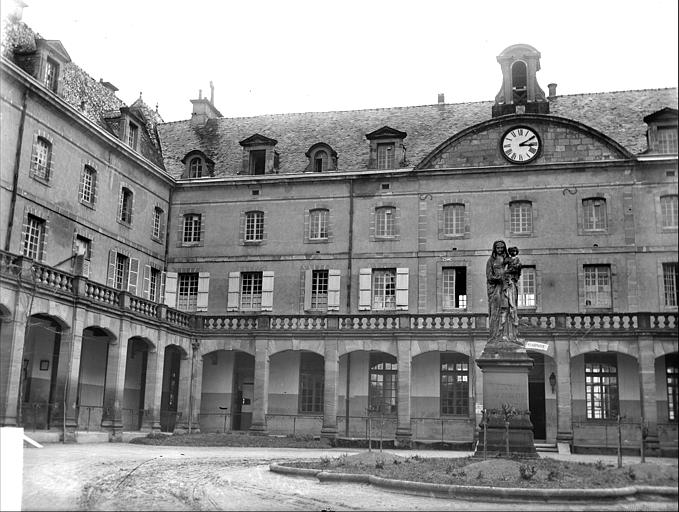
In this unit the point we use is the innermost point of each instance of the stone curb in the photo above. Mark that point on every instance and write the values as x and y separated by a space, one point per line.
476 491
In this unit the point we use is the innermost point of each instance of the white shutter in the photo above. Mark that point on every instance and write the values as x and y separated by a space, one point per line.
133 276
203 290
364 289
308 277
333 290
110 280
161 296
146 280
234 291
267 290
171 289
402 288
86 269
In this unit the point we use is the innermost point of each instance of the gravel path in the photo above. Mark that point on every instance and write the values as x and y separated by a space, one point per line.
113 476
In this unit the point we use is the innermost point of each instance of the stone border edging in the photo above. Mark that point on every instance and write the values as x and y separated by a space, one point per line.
476 491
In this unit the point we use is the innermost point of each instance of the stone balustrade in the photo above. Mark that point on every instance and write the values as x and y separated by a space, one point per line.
28 273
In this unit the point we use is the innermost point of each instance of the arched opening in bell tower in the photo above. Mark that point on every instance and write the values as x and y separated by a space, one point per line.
519 81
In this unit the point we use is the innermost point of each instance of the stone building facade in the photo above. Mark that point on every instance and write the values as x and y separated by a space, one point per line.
313 273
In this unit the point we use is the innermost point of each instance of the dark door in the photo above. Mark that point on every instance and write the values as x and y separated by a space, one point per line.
168 402
536 403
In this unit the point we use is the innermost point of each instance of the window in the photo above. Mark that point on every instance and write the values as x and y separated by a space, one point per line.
41 159
154 284
383 383
257 161
318 224
88 185
191 230
34 237
319 289
187 291
254 226
51 77
521 217
454 384
668 211
453 219
594 213
132 135
157 227
454 287
311 377
672 379
385 156
669 275
83 247
320 161
251 290
666 141
385 222
196 167
125 207
526 288
601 386
384 289
597 286
122 267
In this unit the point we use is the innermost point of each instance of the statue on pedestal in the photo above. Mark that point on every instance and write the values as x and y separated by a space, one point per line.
502 275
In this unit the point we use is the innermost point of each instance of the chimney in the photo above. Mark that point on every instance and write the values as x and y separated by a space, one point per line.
552 91
442 98
108 85
204 109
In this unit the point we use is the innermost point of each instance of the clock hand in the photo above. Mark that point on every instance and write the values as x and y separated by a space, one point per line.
530 138
524 143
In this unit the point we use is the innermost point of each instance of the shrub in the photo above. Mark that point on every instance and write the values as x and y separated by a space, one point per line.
631 474
553 475
379 464
325 460
599 464
527 472
480 475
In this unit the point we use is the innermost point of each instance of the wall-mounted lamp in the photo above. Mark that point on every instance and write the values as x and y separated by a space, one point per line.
552 381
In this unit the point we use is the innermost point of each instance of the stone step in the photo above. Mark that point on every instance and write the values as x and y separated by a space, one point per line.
128 436
546 447
91 437
44 436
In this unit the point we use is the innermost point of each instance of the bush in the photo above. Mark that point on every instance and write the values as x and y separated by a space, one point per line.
553 475
527 472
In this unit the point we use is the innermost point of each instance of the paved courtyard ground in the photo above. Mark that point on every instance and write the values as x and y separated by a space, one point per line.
115 476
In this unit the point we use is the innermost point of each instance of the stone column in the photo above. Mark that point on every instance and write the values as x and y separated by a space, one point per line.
115 382
649 409
562 356
72 372
403 430
150 387
182 423
261 388
197 391
331 375
11 359
155 395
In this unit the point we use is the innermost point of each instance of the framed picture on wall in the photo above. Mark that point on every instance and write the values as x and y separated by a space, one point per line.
44 364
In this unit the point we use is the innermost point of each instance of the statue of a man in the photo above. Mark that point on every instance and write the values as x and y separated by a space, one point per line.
502 274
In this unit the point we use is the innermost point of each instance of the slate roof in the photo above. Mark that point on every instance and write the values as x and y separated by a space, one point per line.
617 114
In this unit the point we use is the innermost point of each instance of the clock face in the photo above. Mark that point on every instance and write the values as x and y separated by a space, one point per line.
520 145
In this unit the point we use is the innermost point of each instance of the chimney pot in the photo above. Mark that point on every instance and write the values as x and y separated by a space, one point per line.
212 93
552 90
442 98
200 94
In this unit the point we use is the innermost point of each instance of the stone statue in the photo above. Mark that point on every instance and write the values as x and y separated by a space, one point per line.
502 274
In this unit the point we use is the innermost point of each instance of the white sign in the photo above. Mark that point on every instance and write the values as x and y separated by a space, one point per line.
479 408
536 345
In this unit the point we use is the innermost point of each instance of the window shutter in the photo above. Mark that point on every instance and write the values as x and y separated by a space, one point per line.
402 288
267 290
171 289
86 269
146 280
234 291
161 295
364 289
133 276
110 280
203 289
307 289
333 290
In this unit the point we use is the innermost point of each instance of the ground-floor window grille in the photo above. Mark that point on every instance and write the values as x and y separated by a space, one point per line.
454 384
383 383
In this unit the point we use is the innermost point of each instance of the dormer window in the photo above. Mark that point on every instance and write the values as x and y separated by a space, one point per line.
259 155
387 150
322 158
132 135
51 77
662 131
196 167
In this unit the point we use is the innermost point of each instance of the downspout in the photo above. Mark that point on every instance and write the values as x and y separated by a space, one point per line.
17 164
350 257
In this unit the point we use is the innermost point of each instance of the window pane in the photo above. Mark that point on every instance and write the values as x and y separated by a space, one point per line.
601 391
667 139
311 375
385 156
192 224
319 289
196 168
187 293
594 211
251 290
453 219
383 383
40 160
122 267
597 286
669 212
454 384
157 221
526 288
670 283
34 235
521 217
385 221
254 226
318 224
384 289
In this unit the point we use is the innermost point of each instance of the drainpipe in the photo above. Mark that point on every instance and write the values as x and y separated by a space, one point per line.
350 246
346 399
17 163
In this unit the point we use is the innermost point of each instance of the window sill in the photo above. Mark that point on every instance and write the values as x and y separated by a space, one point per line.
156 239
386 238
454 310
593 232
252 242
445 236
522 235
128 225
44 181
191 244
87 205
316 240
666 229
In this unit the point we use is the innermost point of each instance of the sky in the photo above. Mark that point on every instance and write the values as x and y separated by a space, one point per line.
268 57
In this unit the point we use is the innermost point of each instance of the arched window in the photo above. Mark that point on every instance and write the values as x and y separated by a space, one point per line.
322 158
196 167
321 161
519 80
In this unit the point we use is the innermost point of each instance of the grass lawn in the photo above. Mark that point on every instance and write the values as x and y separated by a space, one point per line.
231 439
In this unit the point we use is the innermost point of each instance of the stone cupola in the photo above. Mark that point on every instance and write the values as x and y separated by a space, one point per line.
520 92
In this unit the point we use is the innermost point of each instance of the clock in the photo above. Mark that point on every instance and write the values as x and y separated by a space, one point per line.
520 145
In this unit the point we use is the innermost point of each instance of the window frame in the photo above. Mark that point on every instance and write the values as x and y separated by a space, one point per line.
51 80
456 391
132 135
459 301
320 279
319 228
122 272
670 284
672 386
457 223
386 155
383 369
196 171
598 270
385 222
187 291
528 273
609 400
590 221
256 282
518 206
41 161
311 383
33 239
666 145
385 279
192 228
253 229
125 205
88 187
669 211
157 223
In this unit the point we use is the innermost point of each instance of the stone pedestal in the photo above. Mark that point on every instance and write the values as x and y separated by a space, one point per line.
505 368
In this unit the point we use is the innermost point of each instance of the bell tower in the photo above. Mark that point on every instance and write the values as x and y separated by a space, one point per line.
520 92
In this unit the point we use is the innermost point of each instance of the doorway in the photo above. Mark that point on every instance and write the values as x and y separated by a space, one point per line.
243 391
170 394
536 396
